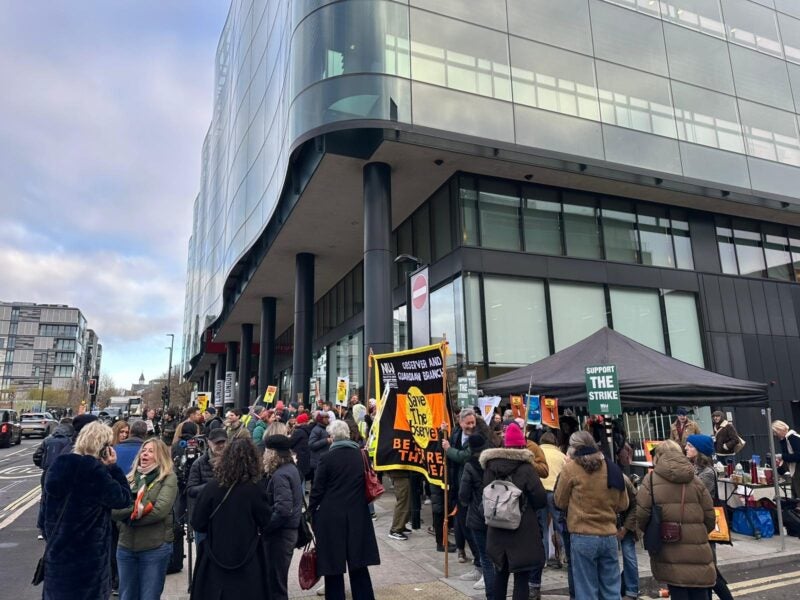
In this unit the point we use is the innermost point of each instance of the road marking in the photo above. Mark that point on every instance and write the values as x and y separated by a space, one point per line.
20 511
10 485
760 580
760 584
10 454
770 586
22 499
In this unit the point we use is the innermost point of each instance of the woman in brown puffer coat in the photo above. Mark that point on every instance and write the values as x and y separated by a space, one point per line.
686 566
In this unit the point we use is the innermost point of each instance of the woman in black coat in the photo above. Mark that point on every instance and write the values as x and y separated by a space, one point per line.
520 550
81 489
232 511
340 517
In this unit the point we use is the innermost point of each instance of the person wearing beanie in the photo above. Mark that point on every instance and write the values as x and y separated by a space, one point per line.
318 440
80 422
302 418
518 551
299 441
470 499
682 427
539 459
212 420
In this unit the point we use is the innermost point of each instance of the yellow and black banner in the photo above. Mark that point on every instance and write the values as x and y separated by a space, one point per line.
413 411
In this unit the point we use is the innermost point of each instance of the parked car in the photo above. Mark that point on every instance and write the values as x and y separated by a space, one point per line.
10 430
42 424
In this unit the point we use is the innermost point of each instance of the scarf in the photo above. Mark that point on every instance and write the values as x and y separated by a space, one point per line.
142 482
344 444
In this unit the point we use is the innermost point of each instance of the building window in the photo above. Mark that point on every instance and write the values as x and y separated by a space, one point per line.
776 249
578 310
636 313
683 327
619 230
516 320
541 213
727 251
500 215
400 328
581 226
654 233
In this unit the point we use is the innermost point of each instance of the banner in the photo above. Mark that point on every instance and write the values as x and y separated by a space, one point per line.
269 394
342 387
550 412
412 409
202 400
517 407
602 390
219 390
230 379
487 405
534 410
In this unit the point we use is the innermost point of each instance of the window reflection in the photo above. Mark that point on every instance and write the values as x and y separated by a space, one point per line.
702 15
752 25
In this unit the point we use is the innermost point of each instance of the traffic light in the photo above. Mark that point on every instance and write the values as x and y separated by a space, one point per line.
93 386
165 393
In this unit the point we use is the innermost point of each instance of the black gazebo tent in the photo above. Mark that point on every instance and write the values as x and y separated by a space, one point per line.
647 378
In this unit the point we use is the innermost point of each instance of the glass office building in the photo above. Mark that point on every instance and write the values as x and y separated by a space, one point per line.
561 166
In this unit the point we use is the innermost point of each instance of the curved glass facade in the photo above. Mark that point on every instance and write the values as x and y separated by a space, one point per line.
704 89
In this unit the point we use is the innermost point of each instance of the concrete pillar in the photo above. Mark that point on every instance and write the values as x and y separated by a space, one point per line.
245 365
303 324
266 341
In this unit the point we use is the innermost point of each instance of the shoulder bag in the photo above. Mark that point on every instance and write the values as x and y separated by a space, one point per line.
307 569
372 485
208 546
38 574
652 532
304 533
670 530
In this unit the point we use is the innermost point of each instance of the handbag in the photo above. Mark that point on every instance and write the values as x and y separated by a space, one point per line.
304 534
652 532
670 530
307 570
38 572
372 485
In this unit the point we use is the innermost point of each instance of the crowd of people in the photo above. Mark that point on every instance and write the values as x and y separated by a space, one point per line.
116 502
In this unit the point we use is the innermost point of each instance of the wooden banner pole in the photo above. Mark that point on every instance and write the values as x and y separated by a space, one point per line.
445 528
369 378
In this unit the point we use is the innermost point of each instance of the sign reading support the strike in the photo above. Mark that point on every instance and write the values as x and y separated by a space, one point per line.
414 409
602 390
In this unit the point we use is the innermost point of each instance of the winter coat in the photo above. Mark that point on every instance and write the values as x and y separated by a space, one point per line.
53 446
688 562
318 444
168 431
790 451
725 438
126 453
539 460
470 494
555 460
235 433
708 477
200 473
591 506
627 518
299 445
155 528
258 432
338 507
285 498
214 423
691 428
520 549
234 539
77 551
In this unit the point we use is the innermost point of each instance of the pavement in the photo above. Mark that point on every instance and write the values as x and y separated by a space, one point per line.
413 568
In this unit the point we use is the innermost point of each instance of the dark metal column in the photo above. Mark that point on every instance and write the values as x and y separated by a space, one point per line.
377 260
303 324
230 363
245 365
266 341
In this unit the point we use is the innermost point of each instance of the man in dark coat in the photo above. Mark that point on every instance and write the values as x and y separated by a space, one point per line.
299 445
726 438
53 446
318 441
340 517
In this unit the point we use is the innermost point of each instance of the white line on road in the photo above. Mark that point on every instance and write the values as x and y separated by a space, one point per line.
20 511
5 488
10 454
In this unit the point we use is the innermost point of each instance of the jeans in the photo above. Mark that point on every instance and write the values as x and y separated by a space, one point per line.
479 537
280 547
543 513
463 537
360 585
595 566
568 554
630 567
199 537
521 587
142 574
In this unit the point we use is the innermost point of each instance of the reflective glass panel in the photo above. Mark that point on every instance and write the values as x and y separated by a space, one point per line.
622 36
654 232
707 118
564 23
761 78
635 100
752 25
581 226
469 211
749 249
421 222
683 327
474 317
681 240
619 230
790 34
578 311
516 320
440 213
443 320
553 79
727 251
637 314
647 7
500 217
400 328
541 211
794 245
770 133
488 13
776 248
702 15
698 59
790 7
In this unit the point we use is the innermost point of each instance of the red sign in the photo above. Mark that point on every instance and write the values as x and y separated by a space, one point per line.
419 291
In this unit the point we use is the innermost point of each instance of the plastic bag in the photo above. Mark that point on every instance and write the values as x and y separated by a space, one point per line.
755 522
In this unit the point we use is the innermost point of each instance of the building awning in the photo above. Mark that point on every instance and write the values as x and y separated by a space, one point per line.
647 378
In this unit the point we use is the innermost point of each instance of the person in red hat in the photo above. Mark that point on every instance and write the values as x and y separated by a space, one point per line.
299 445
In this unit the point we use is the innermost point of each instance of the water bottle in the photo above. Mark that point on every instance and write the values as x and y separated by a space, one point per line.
738 473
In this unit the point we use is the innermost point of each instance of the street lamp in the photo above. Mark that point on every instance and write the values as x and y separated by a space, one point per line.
169 370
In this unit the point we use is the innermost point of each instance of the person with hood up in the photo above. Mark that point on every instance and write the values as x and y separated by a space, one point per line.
518 551
592 492
319 442
686 565
211 420
285 501
790 453
470 498
726 438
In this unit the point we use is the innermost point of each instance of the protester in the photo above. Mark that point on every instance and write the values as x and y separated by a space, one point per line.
194 415
80 489
152 423
299 443
145 527
53 446
699 451
260 424
342 525
128 449
212 420
232 511
539 461
402 505
685 565
627 536
285 501
726 439
592 492
234 426
555 460
518 551
202 471
790 453
168 425
470 498
682 427
121 431
251 420
318 441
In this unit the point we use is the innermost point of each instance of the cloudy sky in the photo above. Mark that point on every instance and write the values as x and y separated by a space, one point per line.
104 108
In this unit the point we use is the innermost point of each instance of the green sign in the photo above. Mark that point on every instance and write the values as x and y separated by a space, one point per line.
463 392
472 387
602 390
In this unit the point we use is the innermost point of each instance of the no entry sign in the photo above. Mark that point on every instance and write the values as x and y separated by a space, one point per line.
419 297
419 290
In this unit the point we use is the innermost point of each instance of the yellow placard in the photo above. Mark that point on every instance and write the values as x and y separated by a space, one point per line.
202 400
342 385
721 531
269 395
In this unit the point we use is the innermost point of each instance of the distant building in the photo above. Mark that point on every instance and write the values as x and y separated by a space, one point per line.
45 345
138 387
